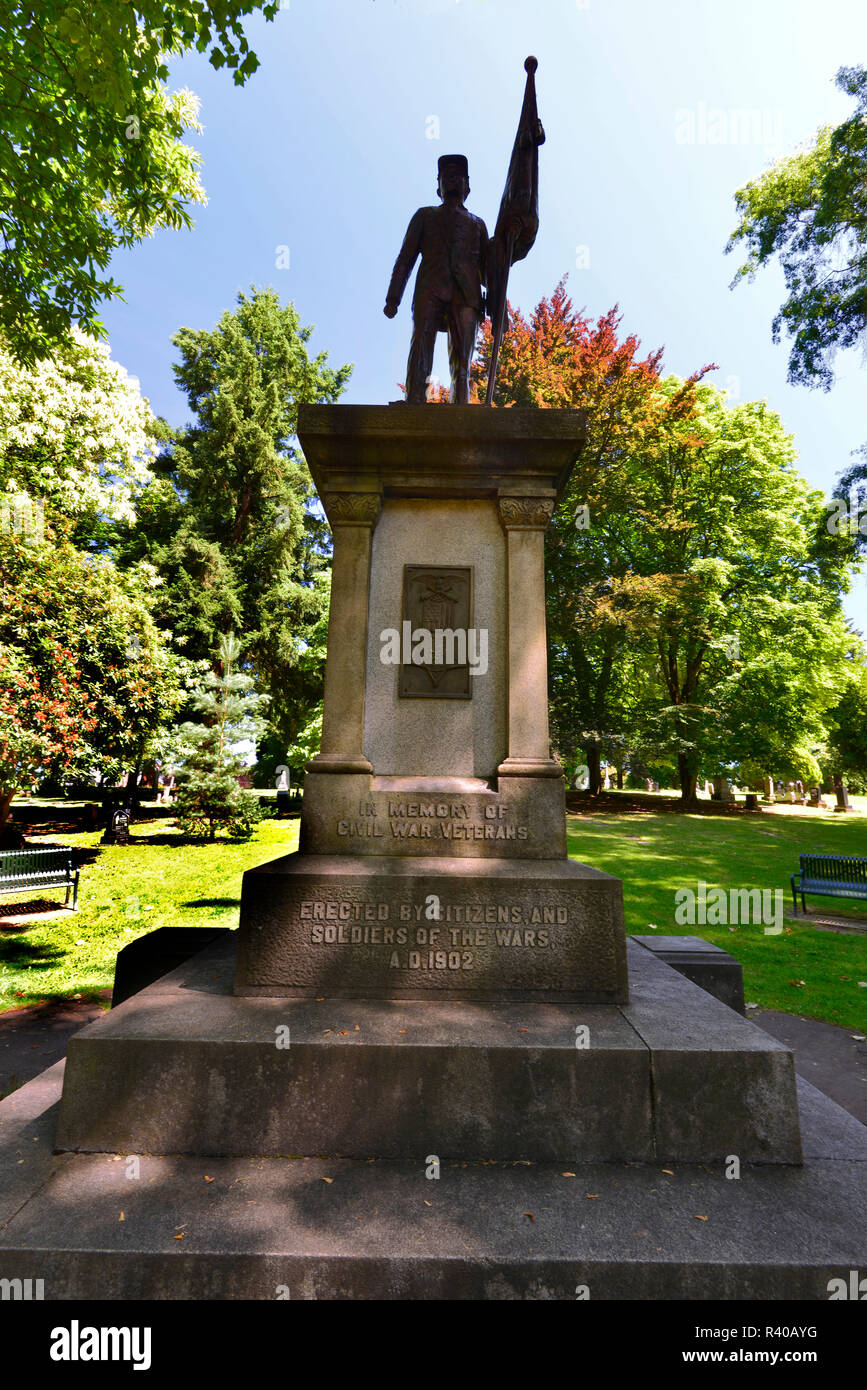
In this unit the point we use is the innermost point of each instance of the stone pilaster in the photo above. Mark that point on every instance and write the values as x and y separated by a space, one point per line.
524 520
352 516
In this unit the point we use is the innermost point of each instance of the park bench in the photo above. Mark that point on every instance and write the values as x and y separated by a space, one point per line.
829 876
24 869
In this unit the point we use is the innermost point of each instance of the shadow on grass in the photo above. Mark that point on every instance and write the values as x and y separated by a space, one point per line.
22 953
212 902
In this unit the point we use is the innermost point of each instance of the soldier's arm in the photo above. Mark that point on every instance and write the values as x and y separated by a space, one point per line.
483 253
403 265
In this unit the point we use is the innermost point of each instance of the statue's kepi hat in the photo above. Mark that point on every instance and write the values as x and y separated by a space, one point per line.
460 159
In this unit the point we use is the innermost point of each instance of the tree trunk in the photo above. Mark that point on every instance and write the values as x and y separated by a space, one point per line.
688 778
5 806
594 785
620 779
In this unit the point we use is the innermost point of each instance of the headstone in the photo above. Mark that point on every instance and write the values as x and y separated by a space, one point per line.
722 789
843 803
768 789
117 831
815 797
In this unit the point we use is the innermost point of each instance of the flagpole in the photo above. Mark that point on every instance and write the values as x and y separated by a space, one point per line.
499 326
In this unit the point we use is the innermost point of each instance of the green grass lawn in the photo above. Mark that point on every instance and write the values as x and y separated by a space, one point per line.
162 882
657 854
128 891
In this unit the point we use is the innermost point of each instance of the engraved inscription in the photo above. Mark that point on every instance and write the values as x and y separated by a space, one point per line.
430 820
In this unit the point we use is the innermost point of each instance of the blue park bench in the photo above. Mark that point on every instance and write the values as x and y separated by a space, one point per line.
22 870
829 876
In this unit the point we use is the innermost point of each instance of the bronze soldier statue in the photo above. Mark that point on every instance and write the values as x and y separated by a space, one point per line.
453 244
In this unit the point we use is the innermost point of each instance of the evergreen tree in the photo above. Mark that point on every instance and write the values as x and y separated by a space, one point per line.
209 796
231 523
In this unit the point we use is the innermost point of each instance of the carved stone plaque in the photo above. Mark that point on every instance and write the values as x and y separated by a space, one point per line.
437 600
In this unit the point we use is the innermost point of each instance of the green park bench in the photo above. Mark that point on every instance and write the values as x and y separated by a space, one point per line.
829 876
24 869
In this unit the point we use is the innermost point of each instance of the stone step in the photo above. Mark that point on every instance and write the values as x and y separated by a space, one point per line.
187 1067
99 1226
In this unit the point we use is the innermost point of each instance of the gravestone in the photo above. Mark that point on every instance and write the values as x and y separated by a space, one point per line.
722 789
768 790
117 830
843 803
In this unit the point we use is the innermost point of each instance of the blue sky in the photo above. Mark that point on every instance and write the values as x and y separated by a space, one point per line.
654 114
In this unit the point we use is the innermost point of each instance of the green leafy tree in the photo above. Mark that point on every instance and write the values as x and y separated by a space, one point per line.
86 678
734 591
694 590
809 212
209 797
847 743
232 526
92 152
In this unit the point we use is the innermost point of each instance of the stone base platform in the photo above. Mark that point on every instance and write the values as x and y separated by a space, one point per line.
185 1067
267 1228
486 930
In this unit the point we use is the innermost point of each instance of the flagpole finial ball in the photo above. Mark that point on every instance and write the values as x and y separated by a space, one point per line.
531 64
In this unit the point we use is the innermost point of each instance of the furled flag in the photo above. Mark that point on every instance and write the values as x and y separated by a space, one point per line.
518 219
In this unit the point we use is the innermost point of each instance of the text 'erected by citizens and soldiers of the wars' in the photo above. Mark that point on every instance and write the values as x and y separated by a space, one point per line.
451 941
429 820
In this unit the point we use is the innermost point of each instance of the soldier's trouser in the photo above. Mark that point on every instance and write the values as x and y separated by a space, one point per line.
462 322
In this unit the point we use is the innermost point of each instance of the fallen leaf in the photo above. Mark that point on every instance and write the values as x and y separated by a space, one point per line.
751 1006
344 1032
591 1196
567 1175
180 1237
859 1037
529 1215
426 1202
328 1180
699 1218
357 1029
401 1030
121 1217
207 1179
670 1171
523 1030
320 999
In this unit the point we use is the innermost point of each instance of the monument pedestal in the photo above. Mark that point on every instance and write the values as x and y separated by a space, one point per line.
430 977
432 857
